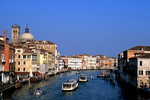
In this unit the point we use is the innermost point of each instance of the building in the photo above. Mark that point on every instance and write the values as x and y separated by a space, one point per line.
125 67
90 62
15 34
106 62
47 49
74 63
7 55
61 64
83 56
140 70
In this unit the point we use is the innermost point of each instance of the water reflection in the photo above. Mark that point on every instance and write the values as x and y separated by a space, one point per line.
68 93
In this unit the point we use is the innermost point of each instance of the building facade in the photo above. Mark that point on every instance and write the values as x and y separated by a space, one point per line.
74 63
15 33
140 67
6 59
90 62
129 64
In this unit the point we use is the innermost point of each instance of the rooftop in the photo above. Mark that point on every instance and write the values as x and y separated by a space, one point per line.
145 48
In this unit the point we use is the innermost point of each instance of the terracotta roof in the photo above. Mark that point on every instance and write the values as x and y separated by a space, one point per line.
145 48
142 55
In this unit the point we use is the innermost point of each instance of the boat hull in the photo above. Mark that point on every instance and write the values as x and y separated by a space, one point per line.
80 80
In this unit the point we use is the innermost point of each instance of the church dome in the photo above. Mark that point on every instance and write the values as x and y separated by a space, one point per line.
27 36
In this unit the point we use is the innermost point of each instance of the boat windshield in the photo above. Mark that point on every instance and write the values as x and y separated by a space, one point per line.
66 85
82 78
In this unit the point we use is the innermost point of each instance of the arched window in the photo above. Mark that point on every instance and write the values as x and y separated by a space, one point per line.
24 62
24 69
18 69
19 63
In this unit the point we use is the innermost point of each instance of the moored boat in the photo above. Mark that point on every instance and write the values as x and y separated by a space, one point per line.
77 72
100 76
82 78
69 85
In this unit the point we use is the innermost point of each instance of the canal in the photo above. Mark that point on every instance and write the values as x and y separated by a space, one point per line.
94 89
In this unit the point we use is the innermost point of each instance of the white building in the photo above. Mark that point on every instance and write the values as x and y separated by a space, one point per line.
75 63
61 64
90 62
140 70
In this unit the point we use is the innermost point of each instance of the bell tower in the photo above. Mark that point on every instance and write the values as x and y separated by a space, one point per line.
15 33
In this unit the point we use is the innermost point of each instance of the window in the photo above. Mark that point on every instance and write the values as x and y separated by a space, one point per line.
18 56
147 72
18 50
140 72
140 63
24 56
24 69
18 69
14 31
28 56
19 63
24 62
34 57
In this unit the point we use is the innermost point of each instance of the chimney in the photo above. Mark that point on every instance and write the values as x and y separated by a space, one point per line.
5 38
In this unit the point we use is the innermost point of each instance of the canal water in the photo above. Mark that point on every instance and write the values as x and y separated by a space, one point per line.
94 89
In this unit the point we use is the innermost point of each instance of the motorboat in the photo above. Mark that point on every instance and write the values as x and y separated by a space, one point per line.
38 92
69 85
82 78
100 76
92 77
77 72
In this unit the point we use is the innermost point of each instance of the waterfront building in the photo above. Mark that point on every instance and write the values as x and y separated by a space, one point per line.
124 68
90 62
140 70
47 59
7 54
26 40
61 64
84 62
74 63
63 61
26 60
34 60
94 62
105 62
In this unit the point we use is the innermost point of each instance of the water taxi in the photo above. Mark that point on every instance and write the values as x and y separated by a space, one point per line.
38 92
82 78
69 85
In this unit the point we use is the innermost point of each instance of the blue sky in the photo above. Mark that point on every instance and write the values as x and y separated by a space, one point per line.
105 27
